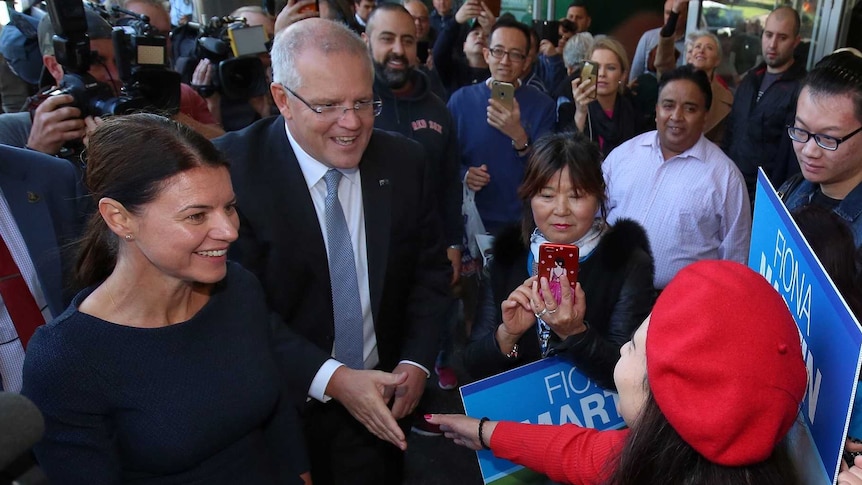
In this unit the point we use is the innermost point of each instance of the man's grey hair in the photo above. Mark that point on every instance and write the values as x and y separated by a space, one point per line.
697 34
322 37
578 49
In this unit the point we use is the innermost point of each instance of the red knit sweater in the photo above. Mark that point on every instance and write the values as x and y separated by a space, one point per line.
568 453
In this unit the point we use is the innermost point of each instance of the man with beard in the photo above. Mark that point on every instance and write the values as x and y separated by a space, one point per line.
412 109
764 104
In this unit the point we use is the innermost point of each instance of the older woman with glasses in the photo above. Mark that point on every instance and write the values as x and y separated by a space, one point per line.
703 51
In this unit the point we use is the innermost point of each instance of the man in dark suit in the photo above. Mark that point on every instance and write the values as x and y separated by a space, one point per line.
40 212
319 170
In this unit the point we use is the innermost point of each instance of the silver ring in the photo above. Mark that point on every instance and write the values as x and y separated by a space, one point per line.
551 312
541 313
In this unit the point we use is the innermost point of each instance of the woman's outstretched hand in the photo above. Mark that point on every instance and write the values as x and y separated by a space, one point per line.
463 430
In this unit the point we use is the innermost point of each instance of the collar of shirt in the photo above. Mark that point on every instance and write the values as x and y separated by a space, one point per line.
697 151
517 82
314 170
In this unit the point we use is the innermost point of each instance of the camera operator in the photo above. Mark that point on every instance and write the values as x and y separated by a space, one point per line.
55 122
191 103
231 113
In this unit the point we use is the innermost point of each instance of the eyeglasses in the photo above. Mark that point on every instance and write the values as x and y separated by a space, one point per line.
825 142
333 112
514 56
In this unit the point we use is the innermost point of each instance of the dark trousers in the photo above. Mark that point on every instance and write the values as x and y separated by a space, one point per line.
343 452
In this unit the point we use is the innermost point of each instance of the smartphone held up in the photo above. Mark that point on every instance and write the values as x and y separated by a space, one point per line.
556 260
503 92
590 70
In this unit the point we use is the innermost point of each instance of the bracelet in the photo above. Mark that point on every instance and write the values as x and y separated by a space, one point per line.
204 90
523 148
481 438
513 354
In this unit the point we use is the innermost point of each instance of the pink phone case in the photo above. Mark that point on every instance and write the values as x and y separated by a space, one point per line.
556 259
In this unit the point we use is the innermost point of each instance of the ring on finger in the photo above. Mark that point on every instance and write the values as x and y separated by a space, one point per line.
541 313
551 312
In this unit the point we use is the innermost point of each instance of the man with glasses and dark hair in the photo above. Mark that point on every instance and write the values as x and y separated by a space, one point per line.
825 136
338 223
496 134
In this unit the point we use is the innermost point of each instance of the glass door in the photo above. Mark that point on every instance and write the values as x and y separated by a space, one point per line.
739 25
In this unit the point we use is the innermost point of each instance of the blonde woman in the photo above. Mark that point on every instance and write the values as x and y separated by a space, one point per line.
603 111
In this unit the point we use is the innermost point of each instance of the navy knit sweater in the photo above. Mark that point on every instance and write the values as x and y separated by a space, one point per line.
196 402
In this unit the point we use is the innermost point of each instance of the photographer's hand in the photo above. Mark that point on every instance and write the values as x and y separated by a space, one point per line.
54 124
202 79
91 123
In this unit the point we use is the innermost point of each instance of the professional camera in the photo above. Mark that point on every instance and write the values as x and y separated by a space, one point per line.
234 49
140 55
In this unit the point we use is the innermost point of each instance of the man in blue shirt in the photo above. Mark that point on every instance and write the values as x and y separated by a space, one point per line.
495 138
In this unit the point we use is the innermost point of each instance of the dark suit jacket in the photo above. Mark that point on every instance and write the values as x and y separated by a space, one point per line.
44 196
281 242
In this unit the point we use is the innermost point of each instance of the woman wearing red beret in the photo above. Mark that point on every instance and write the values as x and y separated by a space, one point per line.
709 386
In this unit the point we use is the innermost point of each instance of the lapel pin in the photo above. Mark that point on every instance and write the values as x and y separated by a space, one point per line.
32 197
383 182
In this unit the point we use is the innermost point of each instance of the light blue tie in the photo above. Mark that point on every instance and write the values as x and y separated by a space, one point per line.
346 307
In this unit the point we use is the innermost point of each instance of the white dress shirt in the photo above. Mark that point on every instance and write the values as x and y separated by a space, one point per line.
350 196
694 205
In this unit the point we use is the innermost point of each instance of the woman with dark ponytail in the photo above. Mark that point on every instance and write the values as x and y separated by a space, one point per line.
161 369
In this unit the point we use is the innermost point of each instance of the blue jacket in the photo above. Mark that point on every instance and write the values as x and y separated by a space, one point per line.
797 192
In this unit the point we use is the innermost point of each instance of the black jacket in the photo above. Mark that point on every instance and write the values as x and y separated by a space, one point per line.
617 280
281 242
449 59
756 133
423 117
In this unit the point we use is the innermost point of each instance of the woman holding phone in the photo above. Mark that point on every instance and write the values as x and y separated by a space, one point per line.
709 386
603 110
563 196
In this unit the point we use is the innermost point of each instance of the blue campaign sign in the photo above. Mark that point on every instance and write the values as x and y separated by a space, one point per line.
548 391
831 336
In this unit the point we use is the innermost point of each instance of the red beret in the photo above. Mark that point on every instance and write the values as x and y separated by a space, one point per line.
724 362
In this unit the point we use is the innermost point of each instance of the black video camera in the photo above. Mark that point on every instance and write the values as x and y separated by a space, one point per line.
148 84
232 46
